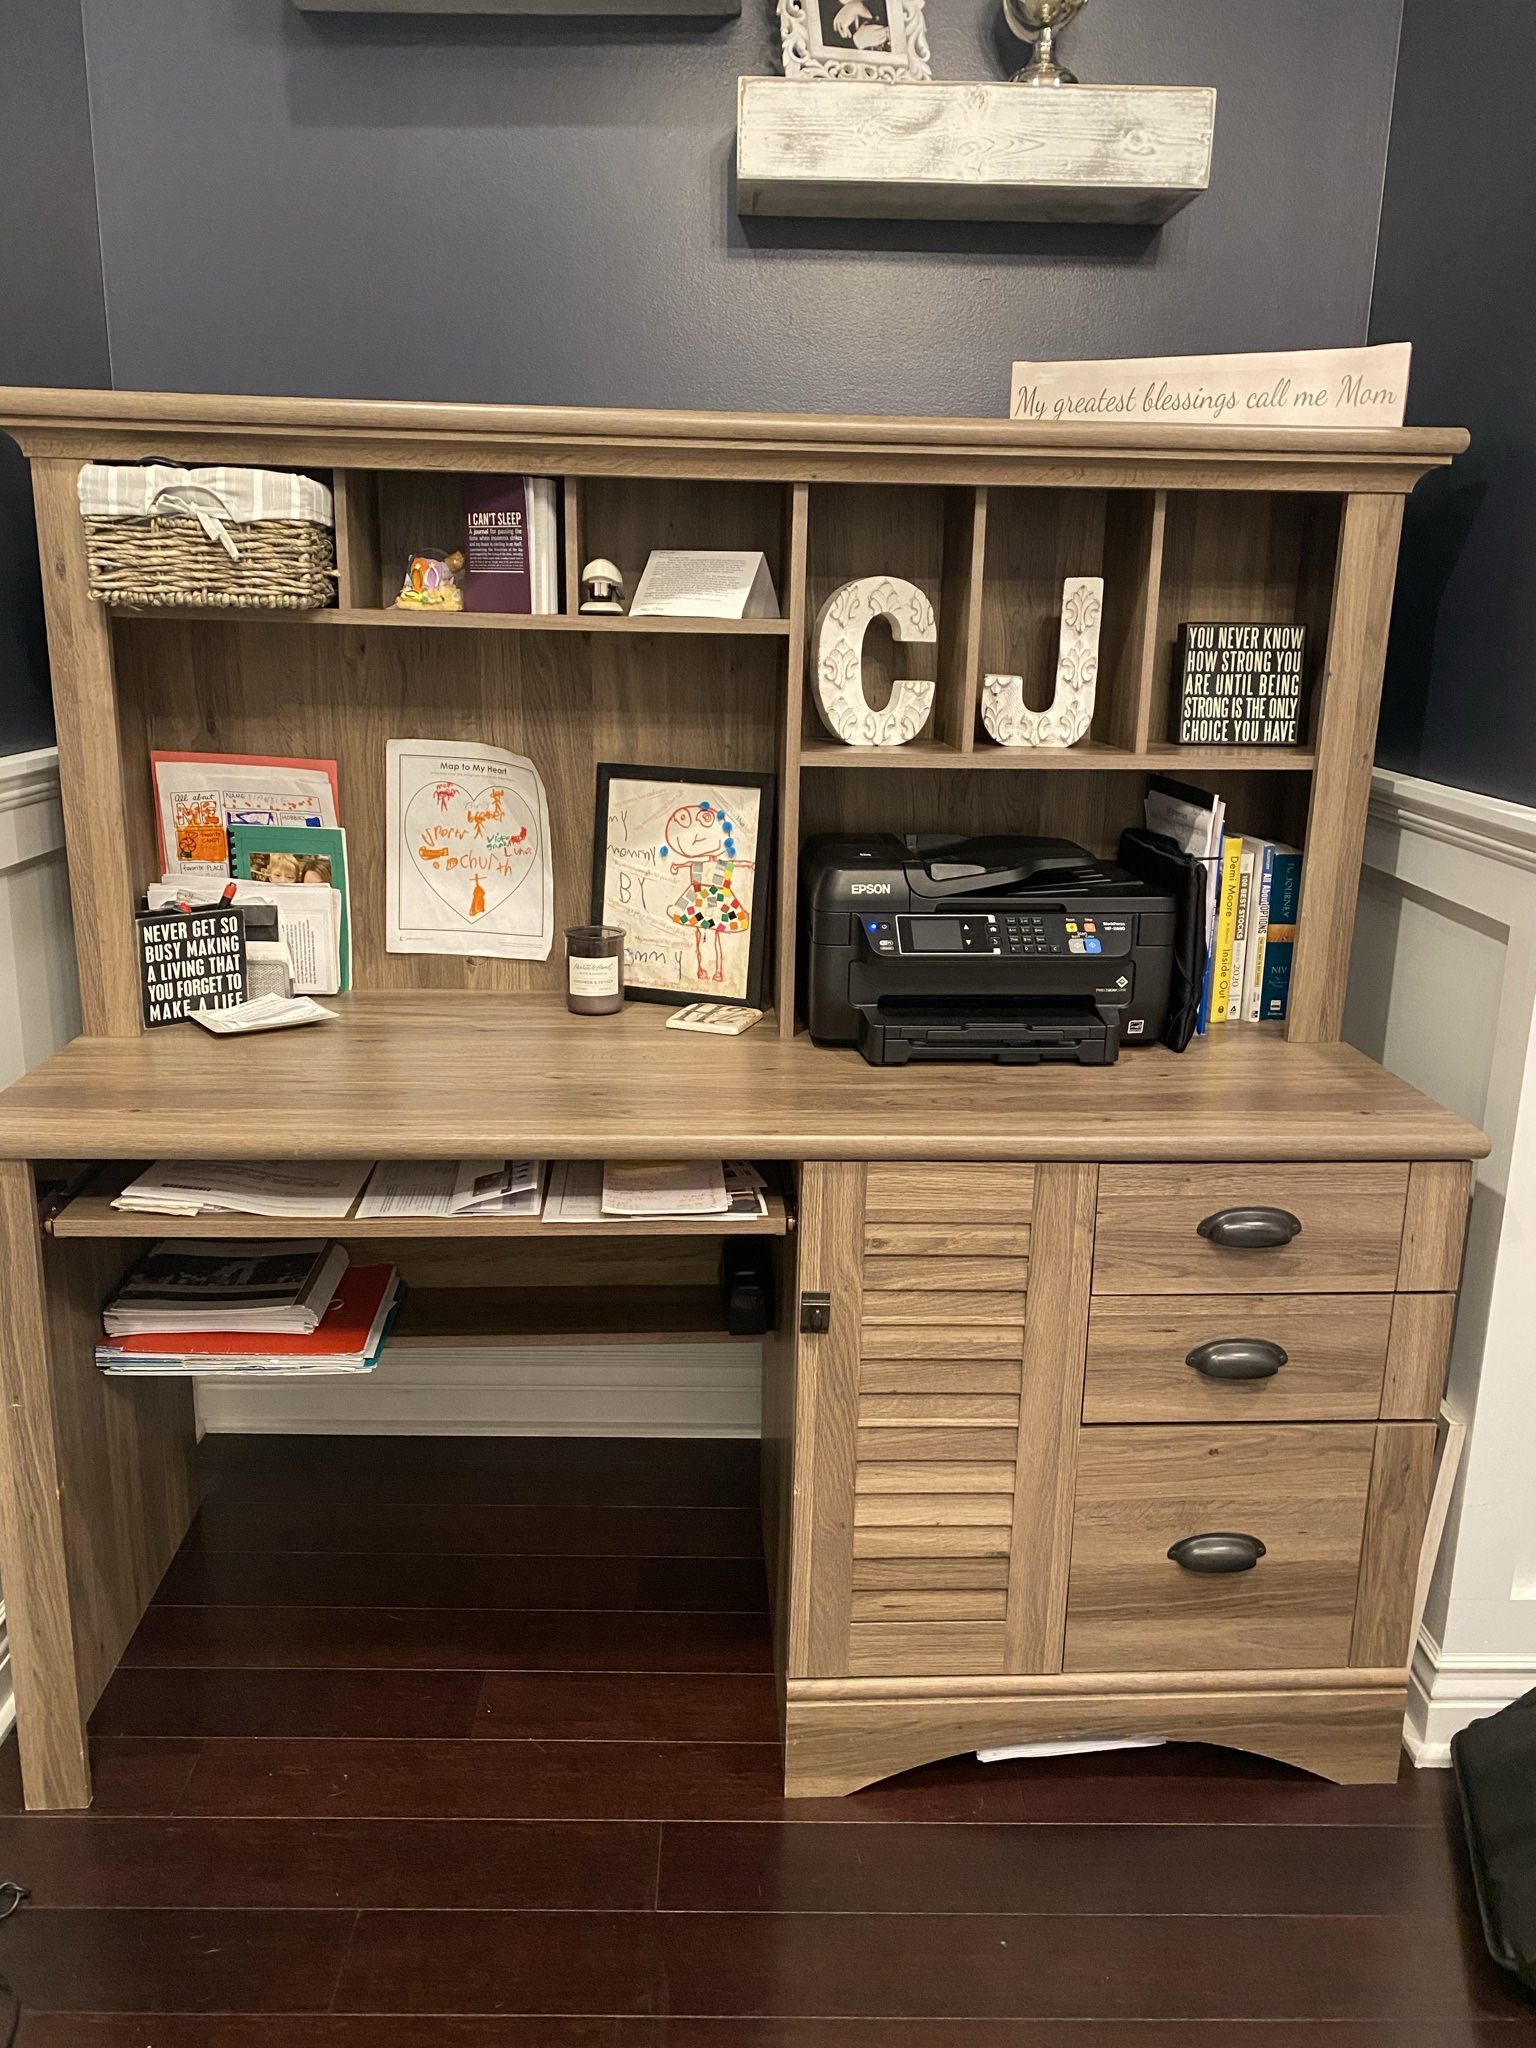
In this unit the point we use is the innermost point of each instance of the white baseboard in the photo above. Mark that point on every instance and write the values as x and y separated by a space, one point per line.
7 1695
1446 1694
638 1390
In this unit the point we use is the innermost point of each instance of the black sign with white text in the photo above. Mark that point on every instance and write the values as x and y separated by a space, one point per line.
190 960
1240 684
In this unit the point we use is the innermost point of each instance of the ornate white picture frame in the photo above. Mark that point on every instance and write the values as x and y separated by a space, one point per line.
860 39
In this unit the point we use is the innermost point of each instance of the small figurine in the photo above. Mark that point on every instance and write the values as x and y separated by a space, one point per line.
602 587
432 583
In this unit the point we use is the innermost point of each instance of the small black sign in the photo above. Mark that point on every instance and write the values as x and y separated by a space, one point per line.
190 960
1240 684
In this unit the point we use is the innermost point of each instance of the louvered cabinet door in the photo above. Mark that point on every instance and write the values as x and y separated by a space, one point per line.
937 1414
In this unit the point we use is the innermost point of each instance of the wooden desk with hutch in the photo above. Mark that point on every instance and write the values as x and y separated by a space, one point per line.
972 1479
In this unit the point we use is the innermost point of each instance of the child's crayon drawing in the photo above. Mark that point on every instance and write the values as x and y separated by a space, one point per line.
679 877
468 852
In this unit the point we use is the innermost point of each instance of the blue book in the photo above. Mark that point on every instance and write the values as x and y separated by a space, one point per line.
1280 945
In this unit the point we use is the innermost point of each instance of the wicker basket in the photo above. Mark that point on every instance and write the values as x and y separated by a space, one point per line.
285 564
206 539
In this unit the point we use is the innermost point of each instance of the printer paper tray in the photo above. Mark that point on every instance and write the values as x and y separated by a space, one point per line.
1001 1031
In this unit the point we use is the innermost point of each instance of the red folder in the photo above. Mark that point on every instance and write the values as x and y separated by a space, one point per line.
343 1331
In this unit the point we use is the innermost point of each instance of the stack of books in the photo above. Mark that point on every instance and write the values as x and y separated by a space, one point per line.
1252 896
511 544
216 1307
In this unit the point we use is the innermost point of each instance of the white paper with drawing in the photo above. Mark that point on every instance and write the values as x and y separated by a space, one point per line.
468 852
679 881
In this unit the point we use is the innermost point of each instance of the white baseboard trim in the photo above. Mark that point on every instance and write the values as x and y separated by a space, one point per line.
1447 1693
31 815
7 1695
704 1390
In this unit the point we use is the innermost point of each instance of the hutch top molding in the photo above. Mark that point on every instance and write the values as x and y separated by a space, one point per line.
790 447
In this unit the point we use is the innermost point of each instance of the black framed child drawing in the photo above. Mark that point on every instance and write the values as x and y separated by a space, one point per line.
681 860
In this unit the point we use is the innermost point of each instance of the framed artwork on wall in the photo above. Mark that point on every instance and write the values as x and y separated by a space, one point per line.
861 39
682 860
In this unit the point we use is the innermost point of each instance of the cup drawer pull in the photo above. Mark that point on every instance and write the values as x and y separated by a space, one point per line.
1218 1552
1238 1358
1250 1230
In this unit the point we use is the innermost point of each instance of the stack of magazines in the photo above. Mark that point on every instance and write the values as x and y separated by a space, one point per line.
192 1307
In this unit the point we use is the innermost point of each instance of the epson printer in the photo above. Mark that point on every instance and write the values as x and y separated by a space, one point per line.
1008 950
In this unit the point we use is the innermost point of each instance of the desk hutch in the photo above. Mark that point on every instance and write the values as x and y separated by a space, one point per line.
972 1479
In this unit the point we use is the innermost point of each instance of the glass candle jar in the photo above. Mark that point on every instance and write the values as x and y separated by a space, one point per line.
594 969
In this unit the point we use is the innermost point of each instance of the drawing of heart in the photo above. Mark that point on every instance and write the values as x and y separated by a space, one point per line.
474 848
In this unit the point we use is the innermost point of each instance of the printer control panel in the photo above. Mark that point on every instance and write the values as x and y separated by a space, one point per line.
1012 934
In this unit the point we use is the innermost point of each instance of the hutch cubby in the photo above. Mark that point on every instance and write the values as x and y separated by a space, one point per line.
970 1478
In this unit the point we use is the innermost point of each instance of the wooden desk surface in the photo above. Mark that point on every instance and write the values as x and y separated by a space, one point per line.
433 1075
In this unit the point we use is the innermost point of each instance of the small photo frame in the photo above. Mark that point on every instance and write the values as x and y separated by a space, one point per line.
859 39
682 860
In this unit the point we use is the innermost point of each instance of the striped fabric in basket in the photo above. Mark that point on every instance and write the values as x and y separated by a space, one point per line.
251 539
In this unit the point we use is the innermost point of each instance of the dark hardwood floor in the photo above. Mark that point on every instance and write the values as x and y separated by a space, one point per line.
471 1744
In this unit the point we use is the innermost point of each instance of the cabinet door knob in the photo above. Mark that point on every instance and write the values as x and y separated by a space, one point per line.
1250 1229
1220 1551
1238 1358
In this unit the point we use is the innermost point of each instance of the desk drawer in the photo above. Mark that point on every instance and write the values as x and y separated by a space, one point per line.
1237 1358
1324 1229
1300 1491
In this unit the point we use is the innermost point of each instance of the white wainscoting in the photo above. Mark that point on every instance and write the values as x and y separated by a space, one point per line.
561 1390
39 995
1443 991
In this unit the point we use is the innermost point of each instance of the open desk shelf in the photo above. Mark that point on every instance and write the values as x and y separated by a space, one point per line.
472 622
90 1214
484 1318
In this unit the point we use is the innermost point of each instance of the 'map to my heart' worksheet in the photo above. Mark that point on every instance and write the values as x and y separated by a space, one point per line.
468 863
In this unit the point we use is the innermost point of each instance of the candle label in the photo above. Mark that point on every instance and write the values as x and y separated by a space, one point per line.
594 977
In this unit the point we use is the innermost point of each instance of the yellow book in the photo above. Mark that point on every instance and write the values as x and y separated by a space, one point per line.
1226 927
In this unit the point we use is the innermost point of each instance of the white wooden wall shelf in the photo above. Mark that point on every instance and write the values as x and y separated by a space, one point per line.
714 8
968 150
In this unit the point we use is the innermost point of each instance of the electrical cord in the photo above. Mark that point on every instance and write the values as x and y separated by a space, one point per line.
11 1896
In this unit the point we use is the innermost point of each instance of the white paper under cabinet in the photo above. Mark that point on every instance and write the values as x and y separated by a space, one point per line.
970 151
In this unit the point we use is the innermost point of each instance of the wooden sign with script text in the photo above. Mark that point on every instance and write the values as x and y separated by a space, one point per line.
1323 387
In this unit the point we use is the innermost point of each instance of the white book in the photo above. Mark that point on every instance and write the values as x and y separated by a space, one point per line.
1258 934
1235 1001
204 1284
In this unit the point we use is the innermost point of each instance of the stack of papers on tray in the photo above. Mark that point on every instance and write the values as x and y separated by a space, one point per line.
213 1285
349 1337
197 1187
464 1187
664 1187
309 920
579 1192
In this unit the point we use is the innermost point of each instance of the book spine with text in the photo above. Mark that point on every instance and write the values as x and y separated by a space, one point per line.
1226 928
1264 876
1240 936
1285 900
498 555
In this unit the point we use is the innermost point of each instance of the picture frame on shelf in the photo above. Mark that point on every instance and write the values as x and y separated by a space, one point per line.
682 861
868 40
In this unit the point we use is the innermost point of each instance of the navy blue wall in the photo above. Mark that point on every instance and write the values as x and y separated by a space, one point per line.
1456 274
52 316
522 210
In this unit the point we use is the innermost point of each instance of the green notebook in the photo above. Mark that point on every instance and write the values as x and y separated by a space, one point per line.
294 853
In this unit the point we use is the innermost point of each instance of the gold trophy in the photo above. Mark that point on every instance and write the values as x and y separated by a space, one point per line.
1040 22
